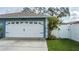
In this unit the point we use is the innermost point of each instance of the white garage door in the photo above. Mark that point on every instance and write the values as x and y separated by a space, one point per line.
24 29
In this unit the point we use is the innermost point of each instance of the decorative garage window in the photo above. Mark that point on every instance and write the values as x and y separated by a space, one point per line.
12 22
17 22
21 22
35 22
26 22
41 23
8 22
31 22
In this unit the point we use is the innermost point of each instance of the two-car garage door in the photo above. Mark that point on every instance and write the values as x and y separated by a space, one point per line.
24 28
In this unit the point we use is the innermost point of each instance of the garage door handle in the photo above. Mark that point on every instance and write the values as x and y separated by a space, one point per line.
24 30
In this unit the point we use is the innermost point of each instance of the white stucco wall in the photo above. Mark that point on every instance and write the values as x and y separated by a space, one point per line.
74 33
67 31
63 32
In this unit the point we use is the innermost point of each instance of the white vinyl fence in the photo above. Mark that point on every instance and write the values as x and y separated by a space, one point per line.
67 31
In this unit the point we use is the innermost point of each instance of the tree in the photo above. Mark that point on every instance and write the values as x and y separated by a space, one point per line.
40 10
51 11
26 9
53 23
59 11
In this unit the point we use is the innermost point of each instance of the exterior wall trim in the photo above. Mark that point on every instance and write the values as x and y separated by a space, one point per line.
44 29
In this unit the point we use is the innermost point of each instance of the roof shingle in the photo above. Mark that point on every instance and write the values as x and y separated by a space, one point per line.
21 15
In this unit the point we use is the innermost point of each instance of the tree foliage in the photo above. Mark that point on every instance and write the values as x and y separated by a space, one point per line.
53 23
26 9
51 11
59 12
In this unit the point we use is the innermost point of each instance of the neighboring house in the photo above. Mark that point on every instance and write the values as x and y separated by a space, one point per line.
24 24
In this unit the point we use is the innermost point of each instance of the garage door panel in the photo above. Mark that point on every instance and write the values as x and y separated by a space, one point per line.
13 29
25 30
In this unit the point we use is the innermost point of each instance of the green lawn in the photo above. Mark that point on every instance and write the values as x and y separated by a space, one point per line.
62 45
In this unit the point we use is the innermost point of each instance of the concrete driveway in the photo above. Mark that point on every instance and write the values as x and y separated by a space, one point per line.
20 44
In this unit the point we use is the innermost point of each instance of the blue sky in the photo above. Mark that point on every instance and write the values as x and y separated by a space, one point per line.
4 10
74 13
